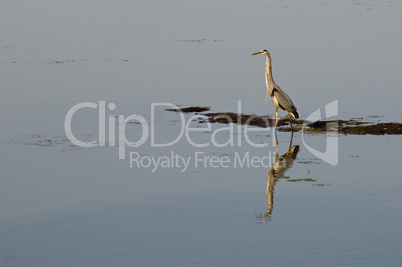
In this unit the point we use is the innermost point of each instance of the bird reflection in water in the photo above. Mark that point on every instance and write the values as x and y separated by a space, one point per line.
279 167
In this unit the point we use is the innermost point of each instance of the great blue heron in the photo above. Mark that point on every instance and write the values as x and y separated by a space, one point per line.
279 97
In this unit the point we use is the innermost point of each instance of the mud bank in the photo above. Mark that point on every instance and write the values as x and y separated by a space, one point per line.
352 126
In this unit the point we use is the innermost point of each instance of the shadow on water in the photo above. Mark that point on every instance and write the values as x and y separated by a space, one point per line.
279 167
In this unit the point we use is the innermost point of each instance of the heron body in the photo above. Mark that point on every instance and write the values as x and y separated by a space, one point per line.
277 95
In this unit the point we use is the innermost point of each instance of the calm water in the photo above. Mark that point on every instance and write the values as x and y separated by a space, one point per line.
63 205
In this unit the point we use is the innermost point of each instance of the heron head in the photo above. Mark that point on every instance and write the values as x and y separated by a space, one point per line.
262 52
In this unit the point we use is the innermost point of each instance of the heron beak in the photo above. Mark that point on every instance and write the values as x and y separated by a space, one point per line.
258 53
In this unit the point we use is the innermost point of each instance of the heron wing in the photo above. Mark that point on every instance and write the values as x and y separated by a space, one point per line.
284 101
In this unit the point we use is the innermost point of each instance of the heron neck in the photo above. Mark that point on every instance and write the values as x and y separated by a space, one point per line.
268 72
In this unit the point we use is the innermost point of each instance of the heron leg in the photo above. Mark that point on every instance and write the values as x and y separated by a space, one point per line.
276 117
290 120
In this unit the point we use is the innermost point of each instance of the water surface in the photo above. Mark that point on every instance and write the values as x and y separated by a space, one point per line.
65 205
